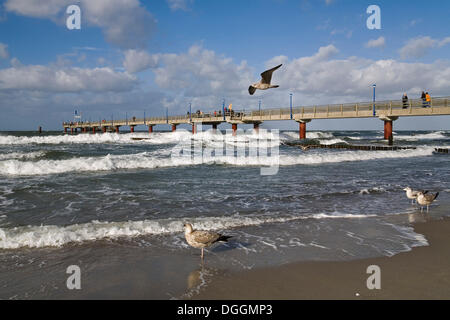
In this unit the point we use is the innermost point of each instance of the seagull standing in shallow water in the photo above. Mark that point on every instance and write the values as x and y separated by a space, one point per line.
264 83
411 194
425 199
201 238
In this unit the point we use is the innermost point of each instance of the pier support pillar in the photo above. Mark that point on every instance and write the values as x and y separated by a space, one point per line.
194 128
132 129
117 129
104 129
214 127
150 129
71 130
93 130
388 128
234 127
302 128
256 126
65 129
174 127
388 131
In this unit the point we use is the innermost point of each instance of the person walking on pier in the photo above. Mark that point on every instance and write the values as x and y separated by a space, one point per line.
428 99
424 99
405 101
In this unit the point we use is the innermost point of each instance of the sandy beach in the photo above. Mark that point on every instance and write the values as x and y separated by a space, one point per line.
422 273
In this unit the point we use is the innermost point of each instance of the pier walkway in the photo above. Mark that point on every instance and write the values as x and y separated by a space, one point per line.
387 111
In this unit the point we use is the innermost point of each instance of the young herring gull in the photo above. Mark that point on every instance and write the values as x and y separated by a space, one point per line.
425 199
411 194
201 238
264 83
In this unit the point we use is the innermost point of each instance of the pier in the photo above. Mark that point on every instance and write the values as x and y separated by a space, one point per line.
386 111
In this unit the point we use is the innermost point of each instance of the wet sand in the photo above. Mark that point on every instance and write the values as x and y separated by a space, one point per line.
422 273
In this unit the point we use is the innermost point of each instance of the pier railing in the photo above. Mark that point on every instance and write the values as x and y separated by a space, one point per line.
389 108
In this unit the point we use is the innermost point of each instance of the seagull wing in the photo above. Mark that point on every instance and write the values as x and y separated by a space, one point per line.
205 237
251 90
267 75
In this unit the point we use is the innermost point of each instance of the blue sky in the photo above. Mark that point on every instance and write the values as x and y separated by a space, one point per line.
131 56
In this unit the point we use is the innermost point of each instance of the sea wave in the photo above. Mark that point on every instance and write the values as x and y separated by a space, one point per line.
147 160
438 135
156 138
22 155
56 236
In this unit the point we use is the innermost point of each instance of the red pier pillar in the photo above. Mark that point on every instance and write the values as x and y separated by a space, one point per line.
132 128
117 129
302 130
234 127
150 129
174 127
256 127
65 129
194 128
387 130
71 130
93 130
104 129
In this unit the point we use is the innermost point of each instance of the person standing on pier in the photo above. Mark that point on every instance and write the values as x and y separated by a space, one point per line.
428 99
405 101
424 99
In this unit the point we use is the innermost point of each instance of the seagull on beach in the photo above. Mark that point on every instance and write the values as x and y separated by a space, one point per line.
411 194
425 199
264 83
201 238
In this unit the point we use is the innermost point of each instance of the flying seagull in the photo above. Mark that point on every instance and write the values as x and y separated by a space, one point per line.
411 194
425 199
264 83
200 238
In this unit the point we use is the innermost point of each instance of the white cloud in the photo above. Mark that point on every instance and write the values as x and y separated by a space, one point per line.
139 60
200 73
125 23
4 54
53 79
420 46
376 43
444 42
178 4
204 77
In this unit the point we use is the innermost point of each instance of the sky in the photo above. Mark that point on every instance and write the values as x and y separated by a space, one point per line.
131 57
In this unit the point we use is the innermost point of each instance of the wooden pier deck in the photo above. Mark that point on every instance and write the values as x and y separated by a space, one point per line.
388 111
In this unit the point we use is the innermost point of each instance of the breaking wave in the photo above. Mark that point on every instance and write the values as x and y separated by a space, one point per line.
148 160
56 236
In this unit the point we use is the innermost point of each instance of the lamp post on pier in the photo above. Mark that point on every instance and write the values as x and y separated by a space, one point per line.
373 107
190 112
290 98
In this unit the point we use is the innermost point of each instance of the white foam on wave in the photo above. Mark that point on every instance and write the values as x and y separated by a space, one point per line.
332 141
309 135
21 155
56 236
336 214
438 135
100 138
147 160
